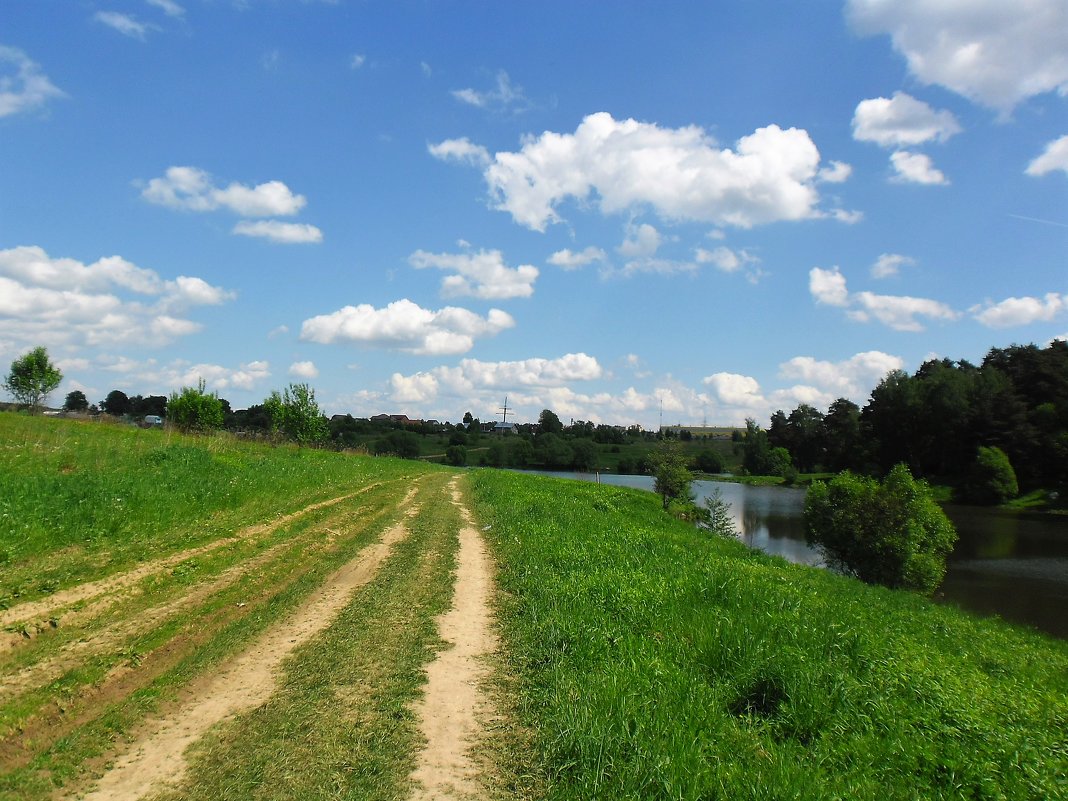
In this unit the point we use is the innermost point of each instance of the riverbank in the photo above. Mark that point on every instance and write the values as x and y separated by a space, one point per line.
654 661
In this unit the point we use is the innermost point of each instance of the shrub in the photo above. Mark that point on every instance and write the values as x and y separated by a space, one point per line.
992 479
890 532
194 409
456 455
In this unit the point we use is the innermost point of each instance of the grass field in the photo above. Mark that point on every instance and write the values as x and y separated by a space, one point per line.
640 658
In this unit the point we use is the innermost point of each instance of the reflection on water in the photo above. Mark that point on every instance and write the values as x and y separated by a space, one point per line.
1006 564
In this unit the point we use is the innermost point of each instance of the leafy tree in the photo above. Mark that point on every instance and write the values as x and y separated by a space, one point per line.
549 423
583 455
992 479
32 378
759 458
76 402
194 409
672 477
716 515
116 403
297 415
404 444
890 532
553 452
845 449
456 455
709 461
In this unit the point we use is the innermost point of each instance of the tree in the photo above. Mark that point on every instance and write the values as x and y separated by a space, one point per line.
672 477
709 461
116 403
583 455
844 445
76 402
32 378
297 415
549 423
890 532
992 479
716 516
194 409
456 455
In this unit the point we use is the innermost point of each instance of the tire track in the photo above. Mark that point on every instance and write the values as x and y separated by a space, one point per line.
156 759
455 706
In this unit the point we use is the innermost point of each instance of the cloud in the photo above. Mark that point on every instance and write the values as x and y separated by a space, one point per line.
732 389
916 168
150 377
405 326
462 150
357 61
124 24
1054 157
1020 311
304 370
901 121
191 189
899 312
28 88
836 172
990 51
503 96
482 275
889 264
725 259
680 173
277 231
642 242
62 301
472 377
168 7
570 260
852 378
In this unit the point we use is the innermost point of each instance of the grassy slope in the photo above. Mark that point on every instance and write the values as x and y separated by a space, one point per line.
657 662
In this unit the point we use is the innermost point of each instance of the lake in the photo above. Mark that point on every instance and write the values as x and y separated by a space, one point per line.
1008 564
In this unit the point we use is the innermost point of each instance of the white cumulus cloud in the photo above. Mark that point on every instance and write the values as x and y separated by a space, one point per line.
889 264
1054 157
192 189
304 370
836 172
901 121
23 86
916 168
993 52
852 378
124 24
570 260
899 312
286 233
460 150
680 173
1020 311
482 275
406 326
725 259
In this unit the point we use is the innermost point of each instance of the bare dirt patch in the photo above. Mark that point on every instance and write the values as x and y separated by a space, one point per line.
455 707
156 759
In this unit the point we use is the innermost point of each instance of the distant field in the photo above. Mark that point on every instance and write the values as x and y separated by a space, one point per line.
278 611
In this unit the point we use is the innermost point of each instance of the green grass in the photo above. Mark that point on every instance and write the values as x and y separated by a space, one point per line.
654 662
80 500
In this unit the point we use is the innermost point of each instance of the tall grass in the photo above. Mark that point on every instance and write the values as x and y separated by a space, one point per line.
93 498
656 662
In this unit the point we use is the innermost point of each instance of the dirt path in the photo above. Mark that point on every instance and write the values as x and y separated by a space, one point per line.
455 705
156 758
109 589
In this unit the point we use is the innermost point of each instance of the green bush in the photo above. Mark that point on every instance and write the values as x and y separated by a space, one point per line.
890 533
194 409
456 455
992 479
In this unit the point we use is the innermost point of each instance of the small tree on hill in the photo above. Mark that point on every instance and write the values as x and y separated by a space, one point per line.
117 403
32 378
890 533
76 402
195 409
296 414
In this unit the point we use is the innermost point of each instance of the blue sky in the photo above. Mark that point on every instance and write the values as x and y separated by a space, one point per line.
606 209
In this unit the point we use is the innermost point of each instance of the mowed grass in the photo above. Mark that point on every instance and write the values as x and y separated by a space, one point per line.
653 661
82 500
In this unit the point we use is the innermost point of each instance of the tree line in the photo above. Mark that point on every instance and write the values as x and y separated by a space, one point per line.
951 421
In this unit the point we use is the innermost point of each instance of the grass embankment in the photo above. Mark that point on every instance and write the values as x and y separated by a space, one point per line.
73 692
656 662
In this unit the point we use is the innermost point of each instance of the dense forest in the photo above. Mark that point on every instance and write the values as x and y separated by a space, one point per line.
938 421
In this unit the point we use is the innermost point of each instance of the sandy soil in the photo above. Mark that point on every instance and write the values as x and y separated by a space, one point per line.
155 759
455 706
